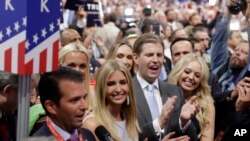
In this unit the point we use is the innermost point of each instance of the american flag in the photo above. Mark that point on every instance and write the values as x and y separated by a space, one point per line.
13 23
30 42
42 36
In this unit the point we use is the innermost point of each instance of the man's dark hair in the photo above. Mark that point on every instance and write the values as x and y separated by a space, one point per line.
111 17
8 79
146 26
178 40
168 10
199 27
147 11
48 86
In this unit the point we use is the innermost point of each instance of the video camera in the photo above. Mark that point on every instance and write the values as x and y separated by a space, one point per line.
237 6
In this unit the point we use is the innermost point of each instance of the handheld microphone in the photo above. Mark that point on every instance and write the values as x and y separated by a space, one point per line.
103 134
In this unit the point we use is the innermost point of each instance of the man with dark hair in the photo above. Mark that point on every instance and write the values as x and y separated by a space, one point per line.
8 106
160 105
200 33
171 19
63 96
180 47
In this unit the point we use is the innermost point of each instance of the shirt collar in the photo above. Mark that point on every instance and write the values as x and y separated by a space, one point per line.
65 135
144 83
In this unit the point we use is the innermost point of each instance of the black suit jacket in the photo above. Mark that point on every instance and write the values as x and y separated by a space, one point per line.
44 131
144 115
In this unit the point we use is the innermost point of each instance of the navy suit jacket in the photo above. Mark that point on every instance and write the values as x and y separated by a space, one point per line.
144 115
44 131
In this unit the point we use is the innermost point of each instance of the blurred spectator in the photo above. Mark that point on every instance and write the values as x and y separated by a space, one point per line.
160 17
171 19
201 34
194 19
179 33
68 36
234 39
80 22
8 106
109 31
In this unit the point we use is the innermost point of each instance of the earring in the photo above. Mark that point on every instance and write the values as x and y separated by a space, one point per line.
127 100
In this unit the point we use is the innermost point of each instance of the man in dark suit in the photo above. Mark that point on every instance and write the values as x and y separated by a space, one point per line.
63 97
169 114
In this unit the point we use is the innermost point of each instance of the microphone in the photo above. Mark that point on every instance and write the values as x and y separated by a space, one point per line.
103 134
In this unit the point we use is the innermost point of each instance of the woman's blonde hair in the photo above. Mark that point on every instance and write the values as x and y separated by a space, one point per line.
129 111
77 46
203 92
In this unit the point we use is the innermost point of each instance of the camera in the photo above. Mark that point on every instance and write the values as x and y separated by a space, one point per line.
237 6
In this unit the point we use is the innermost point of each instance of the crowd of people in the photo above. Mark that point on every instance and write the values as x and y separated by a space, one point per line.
169 70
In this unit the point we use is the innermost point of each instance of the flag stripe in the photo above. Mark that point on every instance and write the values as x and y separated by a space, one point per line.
12 60
43 60
55 55
45 45
7 57
20 58
29 67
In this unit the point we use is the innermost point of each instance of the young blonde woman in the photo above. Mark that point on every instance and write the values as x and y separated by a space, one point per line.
191 74
75 56
116 108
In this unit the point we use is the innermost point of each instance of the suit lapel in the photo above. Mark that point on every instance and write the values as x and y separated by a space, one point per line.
163 91
142 104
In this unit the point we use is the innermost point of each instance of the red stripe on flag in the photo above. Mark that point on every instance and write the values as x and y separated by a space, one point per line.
21 58
7 59
29 67
43 61
55 55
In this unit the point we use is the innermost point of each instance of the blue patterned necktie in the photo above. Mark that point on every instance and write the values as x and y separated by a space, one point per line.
152 103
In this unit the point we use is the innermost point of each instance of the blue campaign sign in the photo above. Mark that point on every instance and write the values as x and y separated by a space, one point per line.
13 22
42 35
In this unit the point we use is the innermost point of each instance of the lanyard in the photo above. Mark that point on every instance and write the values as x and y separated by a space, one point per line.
57 135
